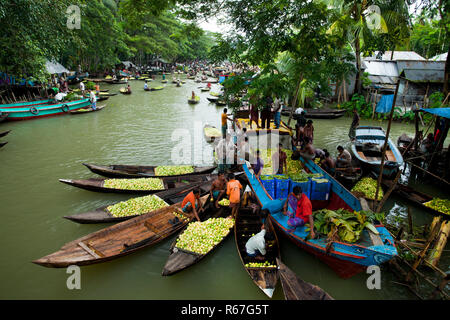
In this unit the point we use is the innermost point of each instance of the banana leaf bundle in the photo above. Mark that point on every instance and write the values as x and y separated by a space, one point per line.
346 225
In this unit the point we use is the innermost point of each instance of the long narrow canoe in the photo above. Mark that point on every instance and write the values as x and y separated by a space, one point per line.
414 196
2 134
180 259
171 196
95 184
120 239
87 110
44 110
26 104
248 223
212 99
156 88
2 144
133 171
295 288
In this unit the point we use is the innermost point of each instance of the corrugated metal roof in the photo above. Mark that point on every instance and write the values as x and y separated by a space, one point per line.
421 75
381 68
422 65
398 55
440 57
383 79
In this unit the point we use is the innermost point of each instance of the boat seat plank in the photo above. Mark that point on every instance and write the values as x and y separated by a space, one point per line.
362 155
89 250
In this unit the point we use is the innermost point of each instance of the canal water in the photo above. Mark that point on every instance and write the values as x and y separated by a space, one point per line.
142 128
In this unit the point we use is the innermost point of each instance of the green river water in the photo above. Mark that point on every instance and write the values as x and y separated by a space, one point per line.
138 129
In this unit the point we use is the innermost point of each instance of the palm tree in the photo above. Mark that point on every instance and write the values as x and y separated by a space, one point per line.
361 21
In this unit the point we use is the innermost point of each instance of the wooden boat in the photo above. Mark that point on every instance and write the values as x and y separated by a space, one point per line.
416 197
110 81
95 184
211 135
214 94
295 288
220 102
120 239
324 113
163 81
171 196
44 110
4 133
156 88
180 259
194 101
2 144
245 122
87 110
348 176
124 91
248 223
205 89
102 98
24 104
346 259
368 146
212 99
133 171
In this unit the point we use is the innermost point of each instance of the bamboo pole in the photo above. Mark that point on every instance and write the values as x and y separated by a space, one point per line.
436 253
380 177
386 196
410 222
422 254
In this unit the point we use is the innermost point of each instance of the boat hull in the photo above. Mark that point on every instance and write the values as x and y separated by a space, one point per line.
345 259
43 111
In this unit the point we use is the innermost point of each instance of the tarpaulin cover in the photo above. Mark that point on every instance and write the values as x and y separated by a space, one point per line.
441 112
385 103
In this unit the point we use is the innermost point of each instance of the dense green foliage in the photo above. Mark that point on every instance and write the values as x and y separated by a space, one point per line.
34 31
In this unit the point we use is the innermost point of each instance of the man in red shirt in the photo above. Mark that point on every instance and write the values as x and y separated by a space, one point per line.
303 211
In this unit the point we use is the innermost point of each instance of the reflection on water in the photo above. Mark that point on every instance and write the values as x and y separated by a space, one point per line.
136 129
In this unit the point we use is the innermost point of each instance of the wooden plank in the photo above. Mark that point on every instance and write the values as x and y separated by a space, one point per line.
88 250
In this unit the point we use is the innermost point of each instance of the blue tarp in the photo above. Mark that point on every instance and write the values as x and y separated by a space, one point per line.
385 103
441 112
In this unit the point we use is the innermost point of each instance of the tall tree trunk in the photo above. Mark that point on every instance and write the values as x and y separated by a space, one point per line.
358 66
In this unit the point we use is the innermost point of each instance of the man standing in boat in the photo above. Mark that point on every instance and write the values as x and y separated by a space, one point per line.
279 161
218 188
234 188
354 125
93 99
